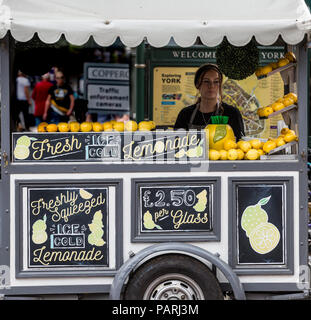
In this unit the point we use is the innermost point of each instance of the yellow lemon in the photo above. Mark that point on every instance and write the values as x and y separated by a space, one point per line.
258 72
255 143
279 141
266 69
273 65
74 126
63 127
268 146
214 154
130 125
288 101
260 152
218 134
52 127
292 96
283 62
290 56
267 111
223 155
233 154
240 154
118 126
153 124
284 130
276 106
144 126
42 127
86 126
245 146
107 126
252 154
264 237
97 127
230 144
290 136
259 112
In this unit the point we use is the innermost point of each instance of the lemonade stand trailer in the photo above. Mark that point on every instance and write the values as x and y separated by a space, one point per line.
110 242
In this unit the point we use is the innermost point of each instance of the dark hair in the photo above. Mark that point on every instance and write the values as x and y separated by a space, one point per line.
198 80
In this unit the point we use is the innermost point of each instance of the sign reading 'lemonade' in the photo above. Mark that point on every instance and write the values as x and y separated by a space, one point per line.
110 146
67 227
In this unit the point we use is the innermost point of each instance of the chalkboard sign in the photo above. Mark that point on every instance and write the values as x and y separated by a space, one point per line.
260 223
110 146
67 227
175 208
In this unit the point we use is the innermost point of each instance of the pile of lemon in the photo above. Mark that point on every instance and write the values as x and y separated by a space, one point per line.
285 101
74 126
253 149
289 57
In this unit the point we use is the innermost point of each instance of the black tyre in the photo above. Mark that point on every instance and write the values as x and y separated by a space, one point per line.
173 277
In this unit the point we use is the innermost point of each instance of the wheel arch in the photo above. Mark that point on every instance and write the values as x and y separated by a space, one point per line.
180 248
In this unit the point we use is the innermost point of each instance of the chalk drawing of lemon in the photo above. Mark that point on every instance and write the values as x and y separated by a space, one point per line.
85 194
39 234
23 140
254 215
148 221
264 237
180 153
21 152
200 206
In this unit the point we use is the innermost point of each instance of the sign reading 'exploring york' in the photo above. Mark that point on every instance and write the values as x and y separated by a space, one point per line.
110 146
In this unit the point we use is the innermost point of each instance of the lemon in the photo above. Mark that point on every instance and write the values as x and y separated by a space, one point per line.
276 106
118 126
266 69
284 130
63 127
131 125
290 136
273 65
264 237
145 126
223 155
85 194
153 124
288 101
283 62
86 126
21 152
214 154
268 146
230 144
52 127
23 140
180 153
252 154
240 154
267 111
292 96
233 154
107 126
252 216
290 56
260 152
245 146
97 127
42 127
148 221
259 72
39 225
255 143
74 126
279 141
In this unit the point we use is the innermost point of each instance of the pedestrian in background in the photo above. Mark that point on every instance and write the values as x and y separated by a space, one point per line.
23 101
39 96
60 101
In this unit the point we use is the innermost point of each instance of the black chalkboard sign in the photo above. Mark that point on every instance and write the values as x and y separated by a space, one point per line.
260 224
175 208
109 146
67 227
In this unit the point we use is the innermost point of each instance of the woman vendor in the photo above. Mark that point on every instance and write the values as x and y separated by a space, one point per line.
208 80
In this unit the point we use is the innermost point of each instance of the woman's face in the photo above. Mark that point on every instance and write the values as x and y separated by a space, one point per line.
210 85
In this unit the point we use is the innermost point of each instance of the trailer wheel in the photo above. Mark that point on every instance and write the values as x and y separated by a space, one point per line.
173 277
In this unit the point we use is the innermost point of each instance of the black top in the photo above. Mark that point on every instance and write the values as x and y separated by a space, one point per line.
60 94
235 119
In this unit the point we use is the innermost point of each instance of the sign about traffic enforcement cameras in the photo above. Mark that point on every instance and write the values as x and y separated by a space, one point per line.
107 87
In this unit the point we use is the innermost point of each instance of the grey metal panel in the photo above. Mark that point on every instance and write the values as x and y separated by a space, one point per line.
5 65
288 267
183 248
303 89
184 236
19 184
